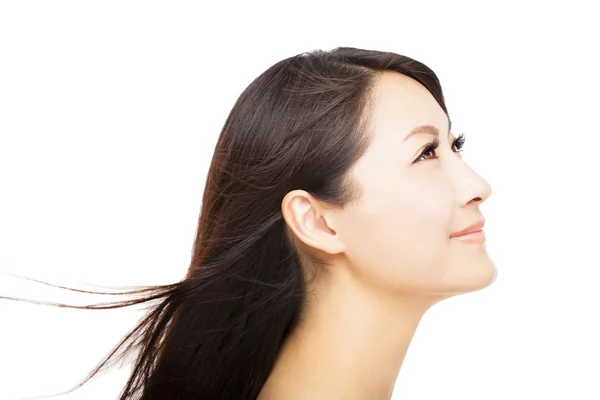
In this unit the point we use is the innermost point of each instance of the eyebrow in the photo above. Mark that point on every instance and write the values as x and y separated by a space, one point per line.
427 129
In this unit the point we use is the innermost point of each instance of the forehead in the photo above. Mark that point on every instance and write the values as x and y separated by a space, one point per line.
400 103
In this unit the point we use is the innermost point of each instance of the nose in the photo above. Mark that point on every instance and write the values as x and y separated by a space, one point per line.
471 188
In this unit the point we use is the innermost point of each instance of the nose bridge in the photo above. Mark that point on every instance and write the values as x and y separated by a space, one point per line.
470 187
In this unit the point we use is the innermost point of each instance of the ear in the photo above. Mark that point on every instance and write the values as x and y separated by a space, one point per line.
311 222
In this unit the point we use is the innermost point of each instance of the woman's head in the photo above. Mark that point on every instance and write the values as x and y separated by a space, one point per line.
313 172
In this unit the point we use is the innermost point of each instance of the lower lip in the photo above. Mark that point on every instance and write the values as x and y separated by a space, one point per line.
473 237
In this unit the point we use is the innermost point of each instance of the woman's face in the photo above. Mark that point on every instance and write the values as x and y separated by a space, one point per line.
397 234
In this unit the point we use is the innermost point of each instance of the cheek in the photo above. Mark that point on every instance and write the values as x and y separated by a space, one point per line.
400 235
415 224
415 212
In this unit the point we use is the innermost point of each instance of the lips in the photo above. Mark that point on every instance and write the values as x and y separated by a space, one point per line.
476 227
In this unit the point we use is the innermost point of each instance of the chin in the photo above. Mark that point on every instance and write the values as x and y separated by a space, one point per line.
484 275
470 278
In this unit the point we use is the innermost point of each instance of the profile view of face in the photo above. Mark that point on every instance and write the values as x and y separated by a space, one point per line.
397 235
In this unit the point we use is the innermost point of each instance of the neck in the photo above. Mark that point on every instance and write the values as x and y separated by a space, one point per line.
350 345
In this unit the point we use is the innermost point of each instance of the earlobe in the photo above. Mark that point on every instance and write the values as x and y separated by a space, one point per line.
305 217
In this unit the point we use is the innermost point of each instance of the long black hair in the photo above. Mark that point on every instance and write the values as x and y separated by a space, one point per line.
216 334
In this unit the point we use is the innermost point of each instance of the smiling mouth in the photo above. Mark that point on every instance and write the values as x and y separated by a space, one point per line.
476 237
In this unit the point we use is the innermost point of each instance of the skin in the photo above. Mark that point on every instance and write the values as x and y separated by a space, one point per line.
388 256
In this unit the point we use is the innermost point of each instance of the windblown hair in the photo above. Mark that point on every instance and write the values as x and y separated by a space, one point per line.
216 334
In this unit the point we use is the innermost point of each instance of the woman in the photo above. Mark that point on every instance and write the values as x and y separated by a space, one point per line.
336 211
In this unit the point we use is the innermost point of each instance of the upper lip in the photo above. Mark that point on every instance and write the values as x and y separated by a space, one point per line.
477 226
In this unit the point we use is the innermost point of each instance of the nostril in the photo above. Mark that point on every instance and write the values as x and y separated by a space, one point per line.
476 200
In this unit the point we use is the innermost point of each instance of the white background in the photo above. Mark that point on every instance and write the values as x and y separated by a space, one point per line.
109 112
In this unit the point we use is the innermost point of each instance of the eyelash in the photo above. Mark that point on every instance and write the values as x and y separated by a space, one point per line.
458 142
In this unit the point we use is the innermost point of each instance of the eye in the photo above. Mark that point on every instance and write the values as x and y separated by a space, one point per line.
459 142
430 148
